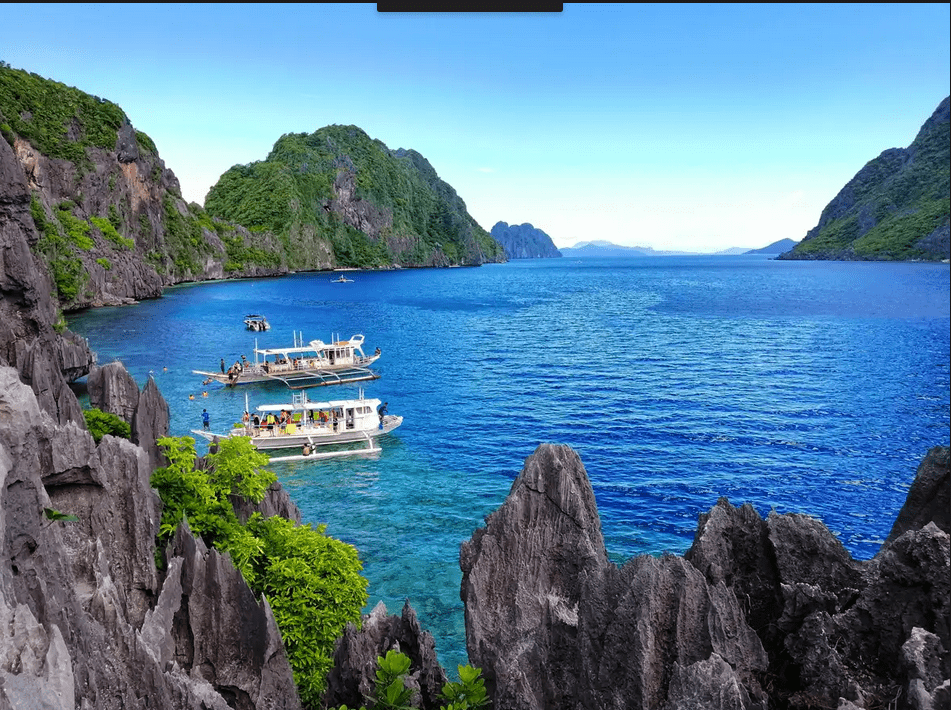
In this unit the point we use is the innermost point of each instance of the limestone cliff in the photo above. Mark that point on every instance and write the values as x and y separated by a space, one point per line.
101 211
896 206
523 241
758 613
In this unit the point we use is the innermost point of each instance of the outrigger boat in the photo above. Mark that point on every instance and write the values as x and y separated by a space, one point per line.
313 364
256 323
305 425
342 280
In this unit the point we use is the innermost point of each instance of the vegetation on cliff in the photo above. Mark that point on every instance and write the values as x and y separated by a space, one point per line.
101 423
311 581
375 206
58 120
112 224
896 207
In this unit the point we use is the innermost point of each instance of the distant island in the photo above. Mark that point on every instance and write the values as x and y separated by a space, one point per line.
523 241
895 208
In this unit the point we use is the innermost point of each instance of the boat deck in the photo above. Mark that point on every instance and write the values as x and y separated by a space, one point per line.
299 378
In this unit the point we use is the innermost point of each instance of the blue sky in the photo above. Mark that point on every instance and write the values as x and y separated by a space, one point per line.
695 127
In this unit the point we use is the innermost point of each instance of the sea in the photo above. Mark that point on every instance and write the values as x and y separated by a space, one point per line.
797 387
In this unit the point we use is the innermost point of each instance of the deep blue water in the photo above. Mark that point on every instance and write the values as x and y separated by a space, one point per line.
811 387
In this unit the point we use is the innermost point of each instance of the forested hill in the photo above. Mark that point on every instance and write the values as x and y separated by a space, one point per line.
374 206
896 207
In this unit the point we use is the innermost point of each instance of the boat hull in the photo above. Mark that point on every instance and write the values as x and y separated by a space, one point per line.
275 439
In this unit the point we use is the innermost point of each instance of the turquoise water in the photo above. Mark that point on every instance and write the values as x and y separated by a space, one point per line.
812 387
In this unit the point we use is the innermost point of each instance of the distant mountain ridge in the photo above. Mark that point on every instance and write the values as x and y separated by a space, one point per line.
600 248
783 245
523 241
895 208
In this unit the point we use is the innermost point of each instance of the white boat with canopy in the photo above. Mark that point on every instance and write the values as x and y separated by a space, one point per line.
311 364
305 425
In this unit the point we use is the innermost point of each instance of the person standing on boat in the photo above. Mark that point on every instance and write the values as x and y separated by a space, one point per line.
222 366
381 410
205 419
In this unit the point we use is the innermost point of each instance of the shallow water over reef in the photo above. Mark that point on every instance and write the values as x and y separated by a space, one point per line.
811 387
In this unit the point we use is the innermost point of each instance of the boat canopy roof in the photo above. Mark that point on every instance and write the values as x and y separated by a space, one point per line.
317 406
314 346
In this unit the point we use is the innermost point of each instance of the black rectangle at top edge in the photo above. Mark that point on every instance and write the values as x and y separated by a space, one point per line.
447 8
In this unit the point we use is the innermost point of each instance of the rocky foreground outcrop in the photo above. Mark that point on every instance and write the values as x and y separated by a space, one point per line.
351 681
86 619
757 614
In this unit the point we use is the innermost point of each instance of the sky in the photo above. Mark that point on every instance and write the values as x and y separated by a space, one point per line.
676 127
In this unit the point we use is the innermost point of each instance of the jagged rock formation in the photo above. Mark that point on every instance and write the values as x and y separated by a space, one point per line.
758 613
368 205
112 389
86 619
355 660
523 241
896 207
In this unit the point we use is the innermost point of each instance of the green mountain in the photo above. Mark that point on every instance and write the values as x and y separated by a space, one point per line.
375 207
895 208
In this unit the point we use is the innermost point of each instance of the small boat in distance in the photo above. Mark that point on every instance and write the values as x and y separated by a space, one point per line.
312 364
341 280
305 425
256 323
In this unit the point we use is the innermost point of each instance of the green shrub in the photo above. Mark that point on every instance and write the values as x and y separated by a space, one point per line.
107 230
77 230
101 423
